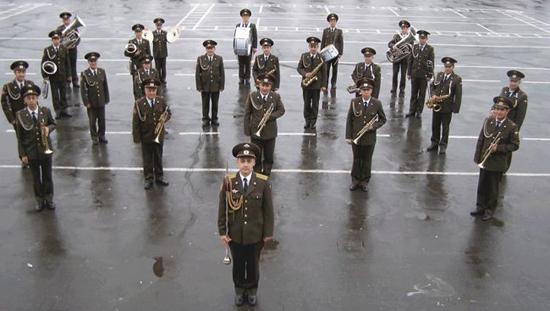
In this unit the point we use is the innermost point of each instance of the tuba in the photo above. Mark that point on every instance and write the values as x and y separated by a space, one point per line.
70 37
402 48
173 34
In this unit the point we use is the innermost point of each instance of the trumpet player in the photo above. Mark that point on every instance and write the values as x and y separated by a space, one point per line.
311 67
150 114
367 70
210 81
446 91
365 116
262 110
142 74
421 70
94 91
267 63
245 221
160 48
499 137
33 126
401 65
11 99
58 64
72 51
137 48
333 35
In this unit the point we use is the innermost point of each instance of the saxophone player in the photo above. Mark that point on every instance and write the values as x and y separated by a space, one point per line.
446 90
498 137
150 114
33 126
262 110
137 48
368 70
365 116
267 63
311 67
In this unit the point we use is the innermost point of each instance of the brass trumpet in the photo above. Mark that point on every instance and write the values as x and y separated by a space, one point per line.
435 103
159 129
264 120
369 126
489 150
44 139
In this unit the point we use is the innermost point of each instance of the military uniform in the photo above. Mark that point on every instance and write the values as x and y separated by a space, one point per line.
59 55
244 60
11 98
143 74
248 225
421 69
29 135
143 48
267 64
72 52
371 71
94 91
210 81
333 36
147 113
160 49
490 175
311 94
360 113
257 105
401 65
442 85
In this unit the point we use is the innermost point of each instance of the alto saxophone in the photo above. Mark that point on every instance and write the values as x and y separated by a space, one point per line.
307 81
435 103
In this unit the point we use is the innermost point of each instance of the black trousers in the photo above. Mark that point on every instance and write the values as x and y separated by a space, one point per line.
41 170
402 65
244 67
334 65
206 97
264 161
152 160
160 64
488 187
73 55
311 103
59 91
362 161
96 118
441 122
246 266
418 94
508 161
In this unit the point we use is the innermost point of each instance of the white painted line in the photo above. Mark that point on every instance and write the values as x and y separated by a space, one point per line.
187 15
199 133
296 134
326 9
36 6
489 30
297 171
531 18
536 82
457 13
122 73
258 22
204 16
479 80
261 9
525 22
393 11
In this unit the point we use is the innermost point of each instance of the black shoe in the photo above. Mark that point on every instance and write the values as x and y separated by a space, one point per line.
312 124
95 142
239 300
476 213
103 141
418 115
76 86
306 125
252 300
39 206
50 205
392 92
487 216
442 149
353 186
402 94
365 187
148 184
205 123
161 182
432 147
215 123
410 114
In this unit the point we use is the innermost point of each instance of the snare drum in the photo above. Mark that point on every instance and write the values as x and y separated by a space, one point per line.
329 52
242 43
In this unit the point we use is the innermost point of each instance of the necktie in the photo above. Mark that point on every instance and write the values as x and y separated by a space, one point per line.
152 103
20 85
511 94
499 123
210 59
245 185
367 66
312 57
366 104
34 119
94 73
421 48
147 72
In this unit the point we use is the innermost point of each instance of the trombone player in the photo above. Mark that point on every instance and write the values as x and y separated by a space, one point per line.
267 63
262 110
245 221
446 91
148 128
56 67
33 126
73 53
365 116
498 138
137 48
368 70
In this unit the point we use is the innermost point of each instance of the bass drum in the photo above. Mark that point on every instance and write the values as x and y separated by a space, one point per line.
242 43
329 53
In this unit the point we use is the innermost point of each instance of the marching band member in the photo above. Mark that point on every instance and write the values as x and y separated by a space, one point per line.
335 36
142 74
137 48
210 81
421 70
73 52
267 63
401 65
160 48
244 60
58 55
368 70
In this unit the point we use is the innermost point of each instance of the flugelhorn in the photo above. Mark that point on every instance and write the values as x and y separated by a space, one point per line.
489 150
264 120
369 126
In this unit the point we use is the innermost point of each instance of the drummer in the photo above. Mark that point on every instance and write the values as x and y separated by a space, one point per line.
244 60
335 36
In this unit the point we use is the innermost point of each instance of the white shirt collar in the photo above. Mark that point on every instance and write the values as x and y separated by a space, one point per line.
247 177
31 111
